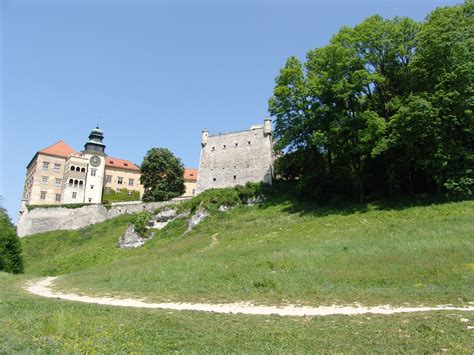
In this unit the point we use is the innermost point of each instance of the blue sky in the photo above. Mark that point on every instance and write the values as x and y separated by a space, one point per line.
155 72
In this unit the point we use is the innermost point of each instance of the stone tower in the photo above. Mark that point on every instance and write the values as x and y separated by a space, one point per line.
236 158
95 154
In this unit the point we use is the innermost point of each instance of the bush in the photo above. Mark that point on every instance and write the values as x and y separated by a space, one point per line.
10 247
120 196
140 222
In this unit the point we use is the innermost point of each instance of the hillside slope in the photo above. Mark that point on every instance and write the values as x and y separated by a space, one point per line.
282 251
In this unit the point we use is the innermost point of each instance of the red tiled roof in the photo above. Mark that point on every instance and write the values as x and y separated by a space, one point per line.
191 174
120 164
60 149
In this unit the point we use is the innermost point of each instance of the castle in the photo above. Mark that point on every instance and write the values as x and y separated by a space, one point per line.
236 158
60 175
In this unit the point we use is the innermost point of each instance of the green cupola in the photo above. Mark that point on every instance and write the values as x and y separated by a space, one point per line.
95 145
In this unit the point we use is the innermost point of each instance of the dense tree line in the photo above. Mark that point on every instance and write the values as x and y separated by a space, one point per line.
384 109
10 247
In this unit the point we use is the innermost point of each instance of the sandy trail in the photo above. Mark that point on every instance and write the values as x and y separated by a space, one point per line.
42 288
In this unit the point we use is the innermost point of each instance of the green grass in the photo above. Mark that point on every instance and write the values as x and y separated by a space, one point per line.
120 196
284 251
29 324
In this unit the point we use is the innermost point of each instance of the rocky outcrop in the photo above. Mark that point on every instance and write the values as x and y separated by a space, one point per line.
200 215
132 239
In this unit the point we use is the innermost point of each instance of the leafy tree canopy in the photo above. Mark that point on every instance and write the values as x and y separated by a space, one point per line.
384 109
10 247
162 175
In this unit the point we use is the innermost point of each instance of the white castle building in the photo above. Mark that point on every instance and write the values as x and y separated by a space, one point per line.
235 158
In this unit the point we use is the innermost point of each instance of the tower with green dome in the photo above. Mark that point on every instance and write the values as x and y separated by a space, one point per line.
94 144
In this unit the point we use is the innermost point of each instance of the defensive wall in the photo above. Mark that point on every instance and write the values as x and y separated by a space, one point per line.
236 158
39 220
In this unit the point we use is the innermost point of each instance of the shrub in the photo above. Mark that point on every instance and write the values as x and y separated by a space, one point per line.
120 196
10 247
140 222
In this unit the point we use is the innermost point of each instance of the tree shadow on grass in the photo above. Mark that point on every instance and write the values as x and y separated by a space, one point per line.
286 194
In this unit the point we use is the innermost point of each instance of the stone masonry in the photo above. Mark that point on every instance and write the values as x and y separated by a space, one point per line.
236 158
41 220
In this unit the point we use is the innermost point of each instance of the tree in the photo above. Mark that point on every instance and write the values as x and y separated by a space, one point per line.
162 175
386 107
10 246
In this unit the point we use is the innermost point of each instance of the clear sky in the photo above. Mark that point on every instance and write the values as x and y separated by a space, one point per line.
152 73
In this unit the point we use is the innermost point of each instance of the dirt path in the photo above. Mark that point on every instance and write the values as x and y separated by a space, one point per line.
42 288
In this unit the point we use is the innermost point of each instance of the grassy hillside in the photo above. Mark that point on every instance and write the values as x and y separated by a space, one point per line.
283 251
30 324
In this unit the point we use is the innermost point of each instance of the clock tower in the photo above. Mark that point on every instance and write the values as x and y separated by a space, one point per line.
94 152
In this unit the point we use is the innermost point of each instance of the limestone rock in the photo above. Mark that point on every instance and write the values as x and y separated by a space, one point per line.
200 215
132 239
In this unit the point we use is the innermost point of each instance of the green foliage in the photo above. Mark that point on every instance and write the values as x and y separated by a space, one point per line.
66 205
10 246
140 222
384 109
162 175
212 199
120 196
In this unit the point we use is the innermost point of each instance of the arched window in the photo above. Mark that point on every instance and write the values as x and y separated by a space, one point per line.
73 168
76 182
78 168
81 183
83 170
71 181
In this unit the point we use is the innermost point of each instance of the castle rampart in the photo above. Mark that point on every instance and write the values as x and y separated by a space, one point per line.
236 158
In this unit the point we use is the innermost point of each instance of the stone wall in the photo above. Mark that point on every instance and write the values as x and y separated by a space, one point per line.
40 220
236 158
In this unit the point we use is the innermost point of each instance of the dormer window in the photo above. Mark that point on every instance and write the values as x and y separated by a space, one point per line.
125 164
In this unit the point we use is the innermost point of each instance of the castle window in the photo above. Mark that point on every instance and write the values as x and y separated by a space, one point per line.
90 199
214 179
235 166
57 166
120 180
71 181
108 178
44 179
83 170
93 172
213 148
73 168
249 142
235 177
78 168
43 195
76 182
92 187
45 165
57 182
236 145
224 146
130 182
74 194
58 197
